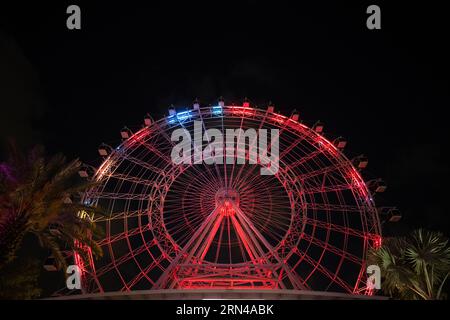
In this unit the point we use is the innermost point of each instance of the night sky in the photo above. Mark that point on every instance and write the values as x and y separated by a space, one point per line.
385 90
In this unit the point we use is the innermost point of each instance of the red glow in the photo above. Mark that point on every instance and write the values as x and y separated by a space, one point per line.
242 111
266 239
377 241
326 144
137 137
279 118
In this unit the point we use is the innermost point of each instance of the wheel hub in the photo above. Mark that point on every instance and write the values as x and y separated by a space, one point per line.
227 200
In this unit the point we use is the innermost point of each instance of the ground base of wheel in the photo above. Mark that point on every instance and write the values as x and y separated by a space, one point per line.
220 294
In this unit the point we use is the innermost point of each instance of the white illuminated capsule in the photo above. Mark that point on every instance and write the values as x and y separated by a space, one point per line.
318 127
377 185
221 102
125 133
83 173
361 162
103 150
380 186
340 143
172 111
148 120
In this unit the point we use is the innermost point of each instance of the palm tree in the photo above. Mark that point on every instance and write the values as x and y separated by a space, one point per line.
36 198
414 267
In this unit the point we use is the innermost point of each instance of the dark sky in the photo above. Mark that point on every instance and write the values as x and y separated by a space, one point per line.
385 90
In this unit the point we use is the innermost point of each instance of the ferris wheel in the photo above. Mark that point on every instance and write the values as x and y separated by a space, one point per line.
204 225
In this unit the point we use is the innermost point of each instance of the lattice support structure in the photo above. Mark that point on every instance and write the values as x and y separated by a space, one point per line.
226 226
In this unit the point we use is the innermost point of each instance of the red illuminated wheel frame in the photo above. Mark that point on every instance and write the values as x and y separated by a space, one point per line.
226 226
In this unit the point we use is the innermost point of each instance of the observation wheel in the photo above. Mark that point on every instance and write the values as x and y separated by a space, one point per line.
298 216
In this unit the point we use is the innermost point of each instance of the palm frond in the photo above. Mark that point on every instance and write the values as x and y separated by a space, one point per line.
413 267
37 190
